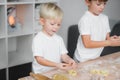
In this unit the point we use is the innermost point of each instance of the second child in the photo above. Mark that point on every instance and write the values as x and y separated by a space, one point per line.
94 32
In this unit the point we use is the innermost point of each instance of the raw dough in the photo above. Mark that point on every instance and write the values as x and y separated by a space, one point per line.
99 72
60 77
72 72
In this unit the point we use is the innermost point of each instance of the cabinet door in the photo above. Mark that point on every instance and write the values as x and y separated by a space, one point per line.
19 71
3 74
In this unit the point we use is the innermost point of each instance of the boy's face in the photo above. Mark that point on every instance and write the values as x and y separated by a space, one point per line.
95 6
50 26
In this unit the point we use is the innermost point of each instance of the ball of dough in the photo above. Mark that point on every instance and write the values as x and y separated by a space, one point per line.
72 72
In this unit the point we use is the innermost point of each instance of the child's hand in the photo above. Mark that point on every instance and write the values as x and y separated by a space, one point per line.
72 63
114 41
114 37
63 66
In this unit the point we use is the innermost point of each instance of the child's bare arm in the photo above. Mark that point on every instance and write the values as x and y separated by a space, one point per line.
46 62
88 43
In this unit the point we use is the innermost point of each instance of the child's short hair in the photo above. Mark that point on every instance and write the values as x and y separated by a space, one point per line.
99 0
50 11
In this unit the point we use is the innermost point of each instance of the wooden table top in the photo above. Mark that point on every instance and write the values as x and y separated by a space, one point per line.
107 67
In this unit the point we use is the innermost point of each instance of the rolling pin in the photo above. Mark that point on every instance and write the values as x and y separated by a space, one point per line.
39 76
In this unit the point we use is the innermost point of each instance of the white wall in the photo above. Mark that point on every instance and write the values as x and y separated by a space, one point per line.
74 9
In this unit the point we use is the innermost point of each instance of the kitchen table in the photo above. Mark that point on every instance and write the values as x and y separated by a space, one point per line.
102 68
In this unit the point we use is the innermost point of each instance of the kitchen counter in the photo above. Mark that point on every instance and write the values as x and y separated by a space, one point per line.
102 68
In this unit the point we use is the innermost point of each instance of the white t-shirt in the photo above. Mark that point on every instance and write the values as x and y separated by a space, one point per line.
50 48
95 26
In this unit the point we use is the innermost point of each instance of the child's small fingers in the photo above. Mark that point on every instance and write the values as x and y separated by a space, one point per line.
65 65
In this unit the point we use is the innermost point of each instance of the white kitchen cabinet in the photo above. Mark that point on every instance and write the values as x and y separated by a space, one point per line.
16 41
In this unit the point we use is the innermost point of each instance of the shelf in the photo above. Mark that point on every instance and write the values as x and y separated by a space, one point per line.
2 1
37 27
3 55
17 3
19 22
18 59
20 1
21 51
24 15
15 41
20 33
2 21
45 1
